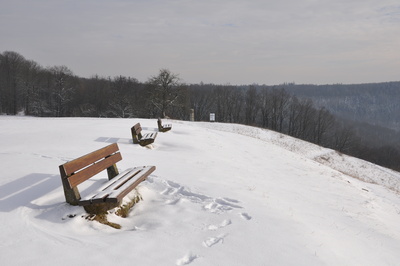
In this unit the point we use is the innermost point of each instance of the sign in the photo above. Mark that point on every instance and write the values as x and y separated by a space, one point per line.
212 117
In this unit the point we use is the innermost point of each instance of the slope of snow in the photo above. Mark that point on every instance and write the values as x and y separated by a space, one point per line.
222 194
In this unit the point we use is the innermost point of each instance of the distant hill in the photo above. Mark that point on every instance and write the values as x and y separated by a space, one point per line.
373 103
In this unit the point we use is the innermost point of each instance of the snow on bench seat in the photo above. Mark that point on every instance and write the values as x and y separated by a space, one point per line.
118 187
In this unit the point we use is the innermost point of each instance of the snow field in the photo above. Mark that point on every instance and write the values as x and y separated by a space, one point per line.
222 194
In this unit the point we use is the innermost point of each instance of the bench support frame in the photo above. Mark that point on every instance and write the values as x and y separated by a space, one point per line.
139 138
163 128
72 195
109 195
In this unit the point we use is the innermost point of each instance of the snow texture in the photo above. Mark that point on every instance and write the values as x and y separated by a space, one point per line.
222 194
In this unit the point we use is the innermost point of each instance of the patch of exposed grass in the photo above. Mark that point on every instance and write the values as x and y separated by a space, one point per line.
102 218
124 209
100 215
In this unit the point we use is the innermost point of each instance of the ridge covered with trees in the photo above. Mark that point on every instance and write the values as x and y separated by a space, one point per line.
30 89
373 103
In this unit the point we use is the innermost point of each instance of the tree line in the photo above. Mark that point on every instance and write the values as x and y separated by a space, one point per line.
30 89
373 103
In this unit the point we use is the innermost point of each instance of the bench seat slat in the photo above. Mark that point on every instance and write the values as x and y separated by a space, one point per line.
99 193
112 184
125 188
149 136
118 187
163 128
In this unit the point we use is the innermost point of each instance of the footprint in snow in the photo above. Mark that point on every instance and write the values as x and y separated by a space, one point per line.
172 202
245 216
168 191
227 203
211 241
231 200
224 223
221 205
173 184
186 259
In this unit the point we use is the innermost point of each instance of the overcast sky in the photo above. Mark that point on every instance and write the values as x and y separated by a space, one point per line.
211 41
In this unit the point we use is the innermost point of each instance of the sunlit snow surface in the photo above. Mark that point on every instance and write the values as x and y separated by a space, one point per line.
222 194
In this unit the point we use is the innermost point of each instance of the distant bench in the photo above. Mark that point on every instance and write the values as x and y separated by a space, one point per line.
111 193
142 139
163 128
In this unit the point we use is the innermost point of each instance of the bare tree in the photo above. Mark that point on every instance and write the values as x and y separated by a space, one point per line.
32 88
279 102
164 91
306 117
343 137
10 67
201 100
252 105
228 104
235 106
180 108
323 123
265 107
94 96
121 98
221 96
62 89
120 107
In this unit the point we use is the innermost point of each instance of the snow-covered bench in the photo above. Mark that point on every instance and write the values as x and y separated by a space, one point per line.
163 128
111 193
138 138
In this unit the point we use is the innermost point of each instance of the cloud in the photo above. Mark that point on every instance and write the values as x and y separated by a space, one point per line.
311 41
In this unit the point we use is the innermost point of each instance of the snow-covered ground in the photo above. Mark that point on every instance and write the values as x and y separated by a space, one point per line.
222 194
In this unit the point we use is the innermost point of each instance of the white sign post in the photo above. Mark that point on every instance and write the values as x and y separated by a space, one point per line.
212 117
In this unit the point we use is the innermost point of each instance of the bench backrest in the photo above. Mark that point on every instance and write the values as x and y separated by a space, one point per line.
163 128
85 167
136 132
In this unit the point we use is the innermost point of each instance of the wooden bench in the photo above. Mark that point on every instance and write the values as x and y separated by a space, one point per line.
111 193
138 138
163 128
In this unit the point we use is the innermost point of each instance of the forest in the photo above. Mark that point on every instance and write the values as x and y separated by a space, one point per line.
373 103
27 88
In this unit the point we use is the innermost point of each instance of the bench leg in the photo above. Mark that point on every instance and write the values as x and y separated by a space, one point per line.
112 171
72 195
159 125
